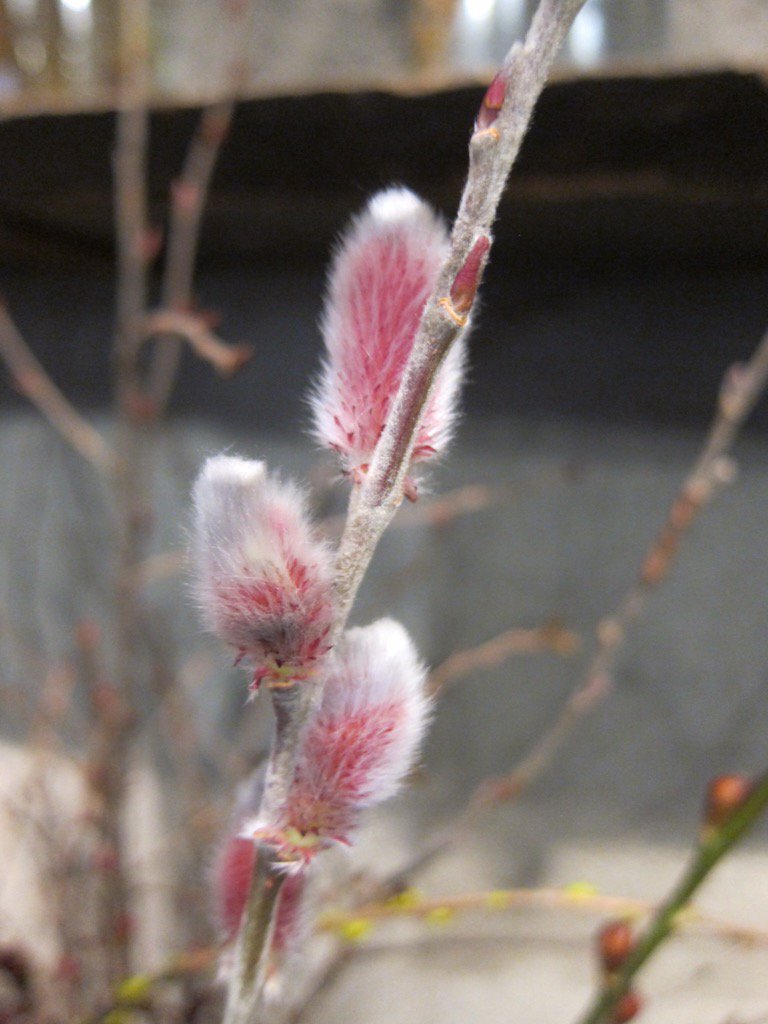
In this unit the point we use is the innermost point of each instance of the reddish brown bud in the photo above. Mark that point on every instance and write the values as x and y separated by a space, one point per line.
88 634
627 1008
140 408
492 103
151 243
69 969
466 282
186 195
125 926
615 941
215 129
725 795
105 859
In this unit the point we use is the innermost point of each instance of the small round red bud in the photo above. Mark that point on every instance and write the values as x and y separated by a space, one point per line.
627 1008
69 969
725 794
615 941
88 634
125 927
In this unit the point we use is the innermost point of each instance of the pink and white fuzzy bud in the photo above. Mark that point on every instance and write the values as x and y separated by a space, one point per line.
263 579
364 737
383 272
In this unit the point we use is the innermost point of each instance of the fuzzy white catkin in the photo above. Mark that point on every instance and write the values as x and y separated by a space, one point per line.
366 734
383 272
263 579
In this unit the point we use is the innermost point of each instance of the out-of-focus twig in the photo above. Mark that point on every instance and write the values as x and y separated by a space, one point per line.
438 511
551 637
159 567
330 972
32 380
226 359
575 898
189 195
462 501
354 923
133 241
136 992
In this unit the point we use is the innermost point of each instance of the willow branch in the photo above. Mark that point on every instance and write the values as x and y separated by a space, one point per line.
710 852
574 899
132 244
374 501
244 990
226 359
189 196
491 155
550 637
33 381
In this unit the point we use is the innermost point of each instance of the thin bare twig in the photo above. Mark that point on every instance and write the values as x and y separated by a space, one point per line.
132 232
550 637
225 358
37 386
410 904
189 196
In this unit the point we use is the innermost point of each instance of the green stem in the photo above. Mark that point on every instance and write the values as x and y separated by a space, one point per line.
710 851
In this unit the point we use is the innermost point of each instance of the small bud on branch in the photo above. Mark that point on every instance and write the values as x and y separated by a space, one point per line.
725 795
467 281
615 941
627 1008
492 103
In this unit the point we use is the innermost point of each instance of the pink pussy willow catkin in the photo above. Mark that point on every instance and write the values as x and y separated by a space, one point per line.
365 736
383 272
264 580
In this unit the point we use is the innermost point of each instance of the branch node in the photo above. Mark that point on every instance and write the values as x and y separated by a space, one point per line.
457 318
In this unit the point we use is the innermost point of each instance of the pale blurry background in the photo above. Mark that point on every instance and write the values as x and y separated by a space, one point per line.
68 48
